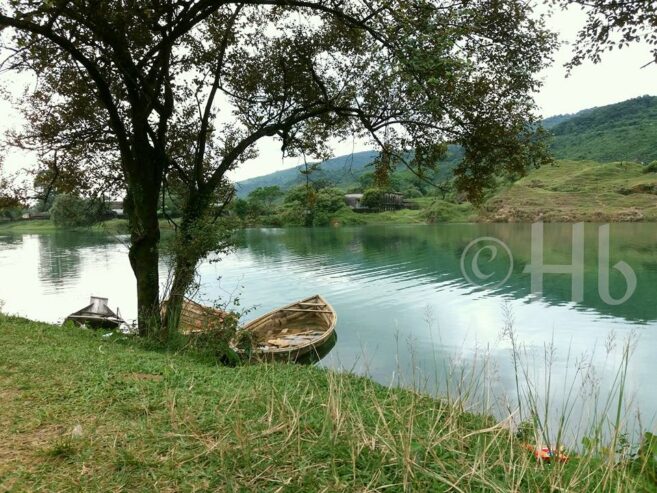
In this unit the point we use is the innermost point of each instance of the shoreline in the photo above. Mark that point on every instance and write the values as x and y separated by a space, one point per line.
120 226
143 417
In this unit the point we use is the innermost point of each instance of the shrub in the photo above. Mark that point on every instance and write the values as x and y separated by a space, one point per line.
650 168
241 208
412 192
321 218
441 211
373 198
73 211
308 207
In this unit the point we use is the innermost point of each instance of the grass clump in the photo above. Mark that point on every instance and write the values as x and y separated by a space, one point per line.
442 211
156 420
44 226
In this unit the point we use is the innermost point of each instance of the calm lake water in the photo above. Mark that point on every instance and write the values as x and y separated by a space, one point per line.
407 312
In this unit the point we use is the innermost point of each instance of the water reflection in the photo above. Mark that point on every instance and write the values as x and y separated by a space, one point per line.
433 255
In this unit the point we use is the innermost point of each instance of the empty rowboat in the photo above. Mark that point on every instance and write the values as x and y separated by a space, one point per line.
96 315
292 331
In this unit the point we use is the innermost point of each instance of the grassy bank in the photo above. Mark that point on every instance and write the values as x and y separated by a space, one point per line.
430 211
39 226
85 412
572 191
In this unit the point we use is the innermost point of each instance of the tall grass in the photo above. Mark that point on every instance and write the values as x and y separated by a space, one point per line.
161 421
591 421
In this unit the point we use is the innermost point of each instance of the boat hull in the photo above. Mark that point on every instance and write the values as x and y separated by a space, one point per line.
96 315
196 318
94 322
292 333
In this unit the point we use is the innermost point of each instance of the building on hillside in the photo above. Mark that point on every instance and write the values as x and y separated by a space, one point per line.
353 200
390 202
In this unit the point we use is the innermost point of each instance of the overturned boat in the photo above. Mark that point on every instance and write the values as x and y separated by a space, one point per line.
96 315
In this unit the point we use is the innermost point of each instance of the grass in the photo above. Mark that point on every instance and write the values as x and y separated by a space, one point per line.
573 191
85 412
430 210
347 217
42 226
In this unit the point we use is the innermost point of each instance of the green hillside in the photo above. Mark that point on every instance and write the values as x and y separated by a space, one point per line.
342 172
573 191
624 131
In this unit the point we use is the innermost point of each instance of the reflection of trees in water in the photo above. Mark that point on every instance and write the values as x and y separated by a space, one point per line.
61 254
434 252
7 241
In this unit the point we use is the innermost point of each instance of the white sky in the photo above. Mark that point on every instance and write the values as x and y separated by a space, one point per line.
617 78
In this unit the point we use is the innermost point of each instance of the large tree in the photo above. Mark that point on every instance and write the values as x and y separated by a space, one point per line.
153 94
613 24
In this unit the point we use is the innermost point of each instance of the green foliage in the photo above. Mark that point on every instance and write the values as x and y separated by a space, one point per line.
215 340
411 192
11 213
624 131
612 24
70 211
650 168
241 208
265 196
373 198
441 211
645 462
308 207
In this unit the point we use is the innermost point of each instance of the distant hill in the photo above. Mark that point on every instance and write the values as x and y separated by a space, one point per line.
625 131
341 171
555 120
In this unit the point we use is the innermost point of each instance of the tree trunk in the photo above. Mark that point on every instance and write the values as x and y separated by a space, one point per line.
188 251
141 207
144 259
182 279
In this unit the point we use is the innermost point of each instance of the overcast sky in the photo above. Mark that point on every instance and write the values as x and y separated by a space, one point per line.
617 78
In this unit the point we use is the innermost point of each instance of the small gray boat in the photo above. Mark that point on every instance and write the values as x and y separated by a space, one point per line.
96 315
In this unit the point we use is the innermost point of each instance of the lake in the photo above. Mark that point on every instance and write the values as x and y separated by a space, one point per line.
420 305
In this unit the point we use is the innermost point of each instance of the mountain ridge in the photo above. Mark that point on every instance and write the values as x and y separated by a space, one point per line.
624 131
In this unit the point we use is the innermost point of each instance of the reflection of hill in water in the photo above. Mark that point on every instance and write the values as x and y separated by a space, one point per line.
432 255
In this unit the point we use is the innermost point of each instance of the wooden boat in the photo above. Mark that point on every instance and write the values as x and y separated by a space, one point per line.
292 331
195 318
96 315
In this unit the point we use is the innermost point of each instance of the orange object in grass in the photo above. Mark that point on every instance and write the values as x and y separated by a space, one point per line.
546 454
